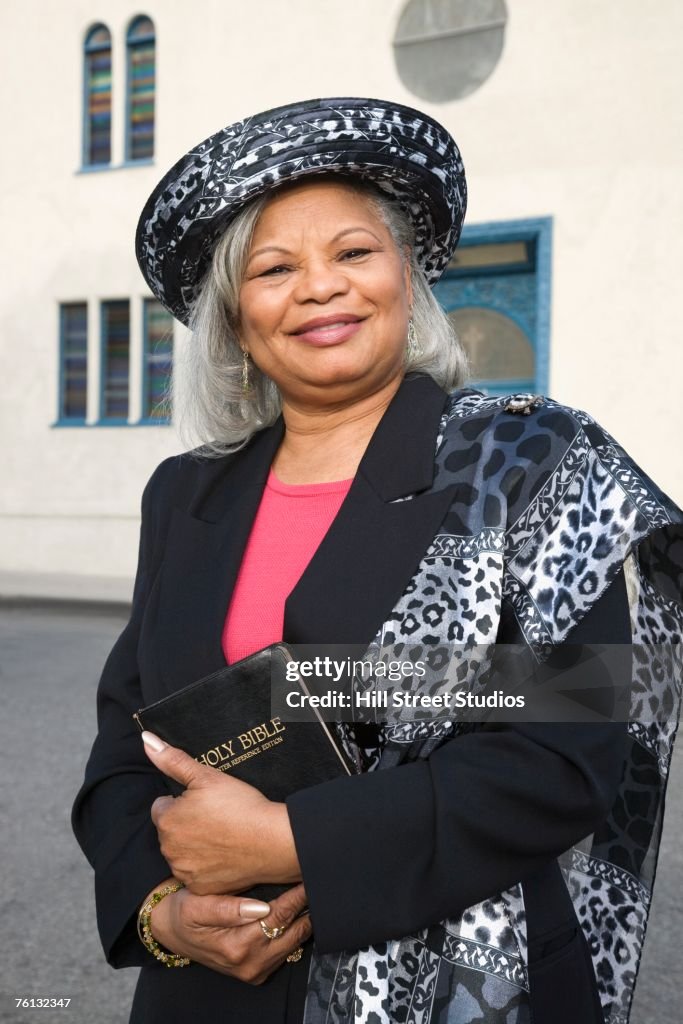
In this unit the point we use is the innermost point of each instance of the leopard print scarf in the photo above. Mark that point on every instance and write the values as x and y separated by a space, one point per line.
554 471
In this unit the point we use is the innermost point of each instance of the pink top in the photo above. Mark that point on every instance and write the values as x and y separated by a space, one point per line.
290 523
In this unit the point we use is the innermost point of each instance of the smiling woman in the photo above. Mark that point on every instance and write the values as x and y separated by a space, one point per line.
349 490
210 396
326 298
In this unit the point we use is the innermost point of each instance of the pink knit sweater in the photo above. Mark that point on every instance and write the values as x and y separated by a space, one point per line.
290 523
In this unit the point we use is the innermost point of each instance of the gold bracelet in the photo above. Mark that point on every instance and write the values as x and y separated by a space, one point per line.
145 930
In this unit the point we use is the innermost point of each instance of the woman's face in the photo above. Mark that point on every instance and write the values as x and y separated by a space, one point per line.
325 300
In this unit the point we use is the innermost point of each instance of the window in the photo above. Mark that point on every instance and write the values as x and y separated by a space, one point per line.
140 45
121 394
97 120
115 360
496 291
157 341
446 49
73 362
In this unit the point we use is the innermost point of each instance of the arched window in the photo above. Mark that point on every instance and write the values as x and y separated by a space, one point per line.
97 120
140 89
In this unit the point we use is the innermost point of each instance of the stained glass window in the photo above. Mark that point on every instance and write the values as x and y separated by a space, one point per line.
74 361
115 359
158 356
141 73
97 127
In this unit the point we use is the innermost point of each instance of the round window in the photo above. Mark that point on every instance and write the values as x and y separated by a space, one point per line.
445 49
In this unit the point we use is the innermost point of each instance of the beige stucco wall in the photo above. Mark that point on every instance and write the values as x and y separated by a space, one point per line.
580 121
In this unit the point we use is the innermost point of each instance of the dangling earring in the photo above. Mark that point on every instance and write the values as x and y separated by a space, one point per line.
413 347
246 383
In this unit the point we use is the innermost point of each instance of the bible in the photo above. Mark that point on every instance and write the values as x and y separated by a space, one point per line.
225 721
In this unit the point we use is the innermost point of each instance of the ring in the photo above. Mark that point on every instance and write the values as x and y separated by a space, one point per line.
295 956
272 933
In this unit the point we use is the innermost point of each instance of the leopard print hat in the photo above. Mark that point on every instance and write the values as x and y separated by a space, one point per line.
402 151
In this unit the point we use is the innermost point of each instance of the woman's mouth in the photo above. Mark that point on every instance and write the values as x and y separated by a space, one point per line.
328 330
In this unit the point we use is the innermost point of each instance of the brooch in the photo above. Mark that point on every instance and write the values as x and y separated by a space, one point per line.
523 403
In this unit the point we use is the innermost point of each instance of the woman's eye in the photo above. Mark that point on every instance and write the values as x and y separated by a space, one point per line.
350 254
271 271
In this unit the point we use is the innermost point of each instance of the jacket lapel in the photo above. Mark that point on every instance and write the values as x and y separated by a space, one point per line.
203 552
377 539
358 572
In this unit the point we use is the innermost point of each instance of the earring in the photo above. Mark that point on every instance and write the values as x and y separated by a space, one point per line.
246 383
413 347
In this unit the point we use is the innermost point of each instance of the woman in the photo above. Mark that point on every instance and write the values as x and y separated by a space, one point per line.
344 496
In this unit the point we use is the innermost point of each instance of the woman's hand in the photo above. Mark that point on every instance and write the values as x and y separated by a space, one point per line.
214 931
221 835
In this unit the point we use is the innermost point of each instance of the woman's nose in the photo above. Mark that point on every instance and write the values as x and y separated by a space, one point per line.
319 281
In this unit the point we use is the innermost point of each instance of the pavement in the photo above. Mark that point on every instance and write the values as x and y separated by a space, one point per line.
51 656
31 587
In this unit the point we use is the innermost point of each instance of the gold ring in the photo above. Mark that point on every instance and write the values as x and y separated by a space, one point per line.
272 933
295 956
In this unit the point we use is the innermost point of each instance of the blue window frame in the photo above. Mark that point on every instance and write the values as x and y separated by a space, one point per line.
497 292
140 89
157 348
73 362
115 334
97 97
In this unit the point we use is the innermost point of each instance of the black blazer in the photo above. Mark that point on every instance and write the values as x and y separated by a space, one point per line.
196 518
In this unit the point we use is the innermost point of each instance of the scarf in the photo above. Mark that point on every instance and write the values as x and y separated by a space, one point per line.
524 481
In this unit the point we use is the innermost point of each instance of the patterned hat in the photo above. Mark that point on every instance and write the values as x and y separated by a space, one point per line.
402 151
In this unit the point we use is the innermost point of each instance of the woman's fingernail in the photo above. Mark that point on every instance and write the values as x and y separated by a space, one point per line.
254 909
150 740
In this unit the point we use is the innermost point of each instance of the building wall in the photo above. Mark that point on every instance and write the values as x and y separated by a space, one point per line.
580 121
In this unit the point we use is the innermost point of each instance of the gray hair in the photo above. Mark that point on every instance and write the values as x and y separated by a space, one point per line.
210 405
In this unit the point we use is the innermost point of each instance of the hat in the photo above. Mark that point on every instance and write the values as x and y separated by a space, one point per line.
402 151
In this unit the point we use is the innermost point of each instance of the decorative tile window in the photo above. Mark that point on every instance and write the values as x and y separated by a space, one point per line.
73 362
97 102
115 361
496 291
140 46
157 343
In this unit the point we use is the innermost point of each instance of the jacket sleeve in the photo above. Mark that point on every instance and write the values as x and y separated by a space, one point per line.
111 813
396 850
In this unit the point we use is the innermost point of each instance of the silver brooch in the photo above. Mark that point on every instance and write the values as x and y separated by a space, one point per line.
523 403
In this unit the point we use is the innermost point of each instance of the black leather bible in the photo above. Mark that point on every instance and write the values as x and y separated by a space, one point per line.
225 721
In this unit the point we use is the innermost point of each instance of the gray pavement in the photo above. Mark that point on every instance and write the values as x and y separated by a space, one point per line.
50 660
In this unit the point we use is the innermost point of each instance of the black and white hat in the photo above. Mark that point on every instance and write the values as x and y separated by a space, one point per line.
403 152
